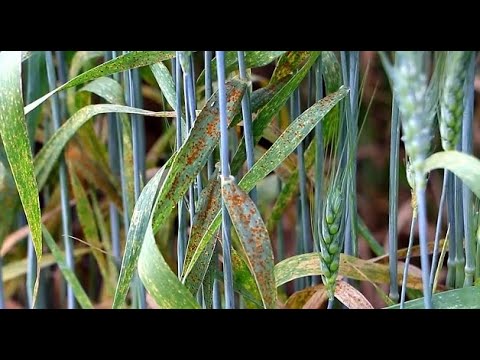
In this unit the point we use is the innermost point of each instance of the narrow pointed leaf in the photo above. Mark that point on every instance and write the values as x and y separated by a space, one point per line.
464 298
137 232
165 82
193 155
13 132
19 268
47 157
303 265
68 274
131 60
253 59
254 238
207 208
274 156
466 167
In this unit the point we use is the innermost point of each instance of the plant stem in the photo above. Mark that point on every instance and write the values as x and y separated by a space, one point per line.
136 123
225 169
208 93
407 259
438 229
393 200
467 147
460 254
114 162
451 262
423 235
62 173
247 120
182 236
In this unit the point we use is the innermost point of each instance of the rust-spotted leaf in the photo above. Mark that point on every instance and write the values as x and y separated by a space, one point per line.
193 155
131 60
13 131
254 238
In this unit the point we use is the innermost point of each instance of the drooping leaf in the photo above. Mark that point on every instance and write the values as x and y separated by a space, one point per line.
13 132
68 274
18 268
274 156
48 155
253 59
309 264
464 298
254 239
193 154
466 167
165 82
266 114
131 60
206 210
137 232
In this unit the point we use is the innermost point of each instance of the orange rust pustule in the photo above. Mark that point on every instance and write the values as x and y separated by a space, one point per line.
213 130
196 151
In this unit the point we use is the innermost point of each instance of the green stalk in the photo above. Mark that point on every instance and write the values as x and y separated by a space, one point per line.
407 259
225 171
247 120
182 232
438 229
393 201
208 93
467 147
62 173
130 85
452 245
114 162
460 252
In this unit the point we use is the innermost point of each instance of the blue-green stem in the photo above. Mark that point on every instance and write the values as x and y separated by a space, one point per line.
438 229
114 162
319 157
393 200
280 236
139 295
62 173
247 120
460 251
208 93
467 147
423 236
452 244
181 234
217 301
225 170
407 259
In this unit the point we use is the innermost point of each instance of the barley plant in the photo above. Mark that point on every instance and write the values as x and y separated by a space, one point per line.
239 179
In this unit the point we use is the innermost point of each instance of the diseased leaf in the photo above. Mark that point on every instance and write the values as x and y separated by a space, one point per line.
208 203
68 274
274 156
131 60
309 264
193 155
254 239
266 113
48 155
13 132
351 297
137 232
253 59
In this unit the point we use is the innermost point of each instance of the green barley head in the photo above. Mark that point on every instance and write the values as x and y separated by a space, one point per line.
410 87
451 101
